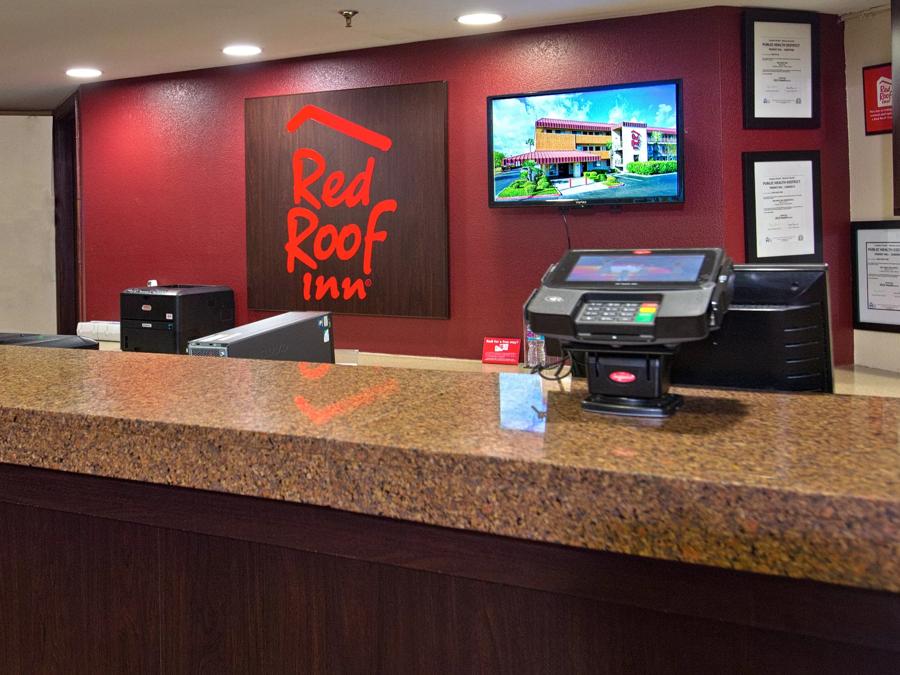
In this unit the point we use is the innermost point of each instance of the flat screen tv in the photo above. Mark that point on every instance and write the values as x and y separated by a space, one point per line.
615 144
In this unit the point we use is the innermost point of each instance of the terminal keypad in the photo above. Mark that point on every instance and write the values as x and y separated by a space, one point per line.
618 312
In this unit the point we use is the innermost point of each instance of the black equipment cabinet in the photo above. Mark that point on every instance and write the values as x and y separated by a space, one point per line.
775 336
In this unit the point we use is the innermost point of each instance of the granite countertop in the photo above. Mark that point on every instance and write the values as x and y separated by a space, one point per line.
805 486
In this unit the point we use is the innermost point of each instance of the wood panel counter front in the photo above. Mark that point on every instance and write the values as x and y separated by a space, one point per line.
258 515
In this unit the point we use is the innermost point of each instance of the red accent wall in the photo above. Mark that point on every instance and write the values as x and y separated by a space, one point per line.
162 179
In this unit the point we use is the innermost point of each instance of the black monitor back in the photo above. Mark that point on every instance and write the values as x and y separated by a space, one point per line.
39 340
775 335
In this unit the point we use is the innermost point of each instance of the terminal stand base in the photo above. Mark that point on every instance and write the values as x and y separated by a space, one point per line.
664 406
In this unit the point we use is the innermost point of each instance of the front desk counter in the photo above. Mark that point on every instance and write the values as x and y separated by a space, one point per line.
181 514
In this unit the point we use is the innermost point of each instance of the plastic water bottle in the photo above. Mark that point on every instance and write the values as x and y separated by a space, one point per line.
535 349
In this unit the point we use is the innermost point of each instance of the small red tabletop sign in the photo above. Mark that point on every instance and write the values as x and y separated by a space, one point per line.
501 350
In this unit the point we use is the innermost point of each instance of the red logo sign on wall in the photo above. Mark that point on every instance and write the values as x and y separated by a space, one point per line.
635 140
346 195
877 96
309 241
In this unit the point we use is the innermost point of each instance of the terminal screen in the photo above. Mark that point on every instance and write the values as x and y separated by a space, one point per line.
653 268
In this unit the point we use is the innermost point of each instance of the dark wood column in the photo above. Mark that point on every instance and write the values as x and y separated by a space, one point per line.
65 190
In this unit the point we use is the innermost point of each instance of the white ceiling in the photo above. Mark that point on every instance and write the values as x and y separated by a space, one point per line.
39 39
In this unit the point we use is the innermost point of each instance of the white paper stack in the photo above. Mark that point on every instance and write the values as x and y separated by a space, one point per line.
103 331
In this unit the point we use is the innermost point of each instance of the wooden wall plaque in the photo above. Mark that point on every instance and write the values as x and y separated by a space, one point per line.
347 201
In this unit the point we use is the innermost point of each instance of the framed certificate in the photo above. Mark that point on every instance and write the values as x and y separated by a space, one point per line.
876 275
782 207
781 69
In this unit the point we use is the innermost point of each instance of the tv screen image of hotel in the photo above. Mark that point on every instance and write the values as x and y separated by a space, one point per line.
614 144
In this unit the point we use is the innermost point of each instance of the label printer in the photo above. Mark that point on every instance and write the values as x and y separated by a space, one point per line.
626 312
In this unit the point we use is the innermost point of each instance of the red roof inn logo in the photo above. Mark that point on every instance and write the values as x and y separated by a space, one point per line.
309 241
346 201
883 87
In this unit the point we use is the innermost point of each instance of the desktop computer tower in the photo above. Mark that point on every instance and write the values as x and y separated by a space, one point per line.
292 336
163 319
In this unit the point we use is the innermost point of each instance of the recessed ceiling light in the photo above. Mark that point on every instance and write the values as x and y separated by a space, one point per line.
83 72
241 50
480 19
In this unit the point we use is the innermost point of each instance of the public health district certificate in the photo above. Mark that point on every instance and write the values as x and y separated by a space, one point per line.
782 69
785 216
878 265
883 275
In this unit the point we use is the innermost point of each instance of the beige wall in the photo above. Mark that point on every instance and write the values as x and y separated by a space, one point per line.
27 255
867 42
585 139
544 140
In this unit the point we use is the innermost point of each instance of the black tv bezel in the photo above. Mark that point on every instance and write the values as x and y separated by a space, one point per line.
559 276
582 203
